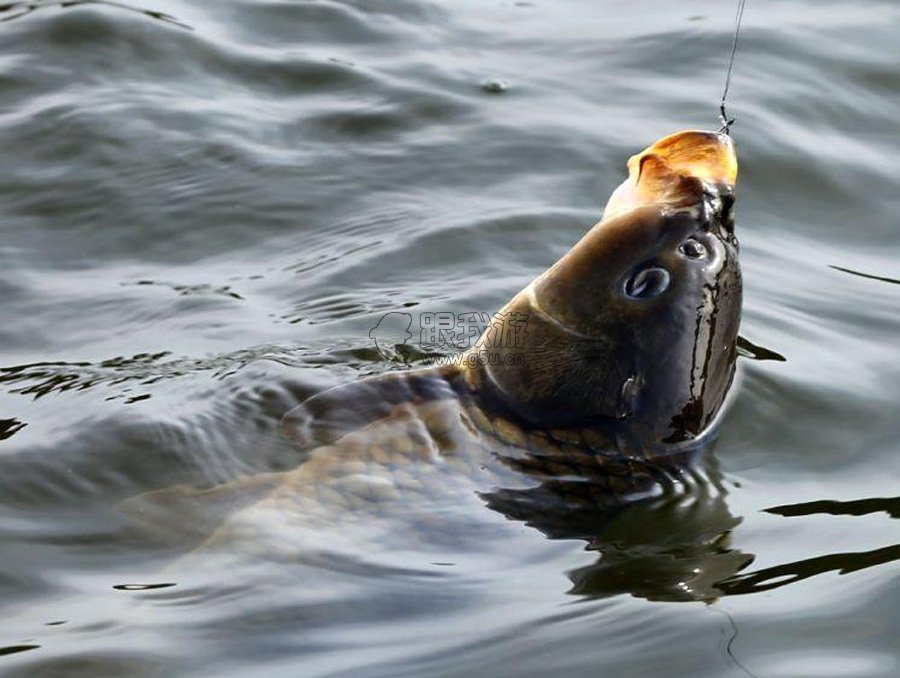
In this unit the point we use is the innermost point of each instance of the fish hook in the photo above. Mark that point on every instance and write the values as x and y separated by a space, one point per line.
724 119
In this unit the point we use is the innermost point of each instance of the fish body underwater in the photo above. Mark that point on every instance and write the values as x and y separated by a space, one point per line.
622 356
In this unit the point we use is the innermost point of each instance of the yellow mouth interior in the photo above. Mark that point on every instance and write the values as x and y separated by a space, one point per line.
666 172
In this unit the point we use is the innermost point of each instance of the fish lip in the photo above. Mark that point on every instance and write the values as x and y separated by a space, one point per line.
717 207
680 170
701 153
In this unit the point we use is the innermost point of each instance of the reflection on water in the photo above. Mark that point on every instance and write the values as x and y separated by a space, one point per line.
122 375
9 427
12 649
17 10
201 227
893 281
859 507
842 563
670 549
143 587
790 573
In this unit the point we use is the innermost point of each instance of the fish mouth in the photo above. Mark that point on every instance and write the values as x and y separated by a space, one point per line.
679 170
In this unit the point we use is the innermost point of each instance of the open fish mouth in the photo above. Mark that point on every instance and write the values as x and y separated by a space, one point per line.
680 170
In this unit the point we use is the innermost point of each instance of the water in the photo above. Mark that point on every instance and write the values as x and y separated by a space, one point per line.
200 228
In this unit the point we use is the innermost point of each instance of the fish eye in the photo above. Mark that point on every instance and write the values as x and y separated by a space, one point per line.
648 283
692 249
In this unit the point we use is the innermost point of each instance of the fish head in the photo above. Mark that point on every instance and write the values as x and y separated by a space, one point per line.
638 322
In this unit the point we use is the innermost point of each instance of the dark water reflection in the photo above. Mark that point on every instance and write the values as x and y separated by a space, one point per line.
879 278
200 228
677 549
17 10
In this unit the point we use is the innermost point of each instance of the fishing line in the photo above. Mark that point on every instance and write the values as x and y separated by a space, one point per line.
723 117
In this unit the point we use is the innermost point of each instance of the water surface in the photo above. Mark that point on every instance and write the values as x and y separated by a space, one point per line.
200 227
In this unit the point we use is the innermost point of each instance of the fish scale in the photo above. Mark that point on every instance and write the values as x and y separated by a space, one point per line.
441 448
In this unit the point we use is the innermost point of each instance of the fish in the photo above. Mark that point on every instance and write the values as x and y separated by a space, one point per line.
595 386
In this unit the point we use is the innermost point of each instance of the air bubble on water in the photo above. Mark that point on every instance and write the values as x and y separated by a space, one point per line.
495 86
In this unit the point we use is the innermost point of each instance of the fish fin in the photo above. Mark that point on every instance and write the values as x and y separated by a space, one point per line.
182 513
